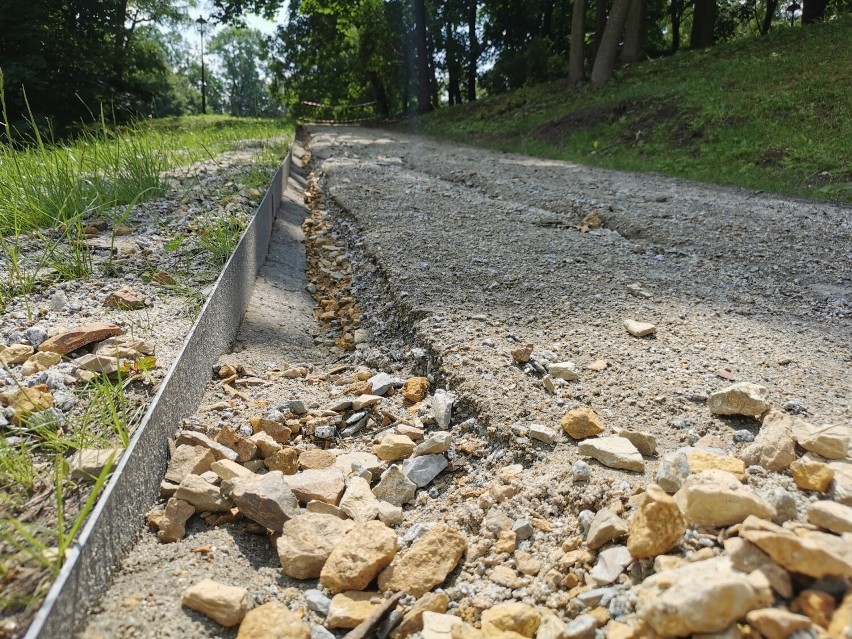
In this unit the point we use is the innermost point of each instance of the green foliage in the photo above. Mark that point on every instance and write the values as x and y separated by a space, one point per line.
246 92
767 113
219 236
72 58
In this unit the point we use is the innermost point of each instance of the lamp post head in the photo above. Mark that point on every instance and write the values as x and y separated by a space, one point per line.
201 22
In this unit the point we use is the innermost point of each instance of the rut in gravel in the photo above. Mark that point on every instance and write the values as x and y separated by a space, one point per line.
538 395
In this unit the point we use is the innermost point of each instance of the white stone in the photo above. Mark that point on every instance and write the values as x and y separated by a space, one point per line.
614 452
742 398
611 563
639 329
442 408
564 370
542 433
422 470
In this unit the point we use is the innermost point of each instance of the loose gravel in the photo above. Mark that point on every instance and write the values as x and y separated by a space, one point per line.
459 258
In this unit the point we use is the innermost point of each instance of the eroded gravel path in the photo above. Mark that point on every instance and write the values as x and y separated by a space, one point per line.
460 255
479 248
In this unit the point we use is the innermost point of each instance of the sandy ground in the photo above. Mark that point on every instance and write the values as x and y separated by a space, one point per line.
462 254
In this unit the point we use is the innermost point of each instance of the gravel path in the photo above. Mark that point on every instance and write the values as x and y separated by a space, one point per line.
460 256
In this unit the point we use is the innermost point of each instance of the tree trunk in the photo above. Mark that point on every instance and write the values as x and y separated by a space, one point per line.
576 60
423 84
454 67
608 50
600 24
473 52
771 6
676 13
381 94
547 18
120 36
703 23
813 10
634 33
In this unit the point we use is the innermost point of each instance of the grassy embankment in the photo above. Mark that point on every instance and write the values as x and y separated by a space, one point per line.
771 113
48 192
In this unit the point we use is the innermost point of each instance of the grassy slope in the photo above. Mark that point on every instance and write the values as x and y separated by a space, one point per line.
772 113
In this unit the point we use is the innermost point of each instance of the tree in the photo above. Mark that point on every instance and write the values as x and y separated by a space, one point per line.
239 52
813 10
576 59
634 33
703 24
73 58
472 50
424 91
608 50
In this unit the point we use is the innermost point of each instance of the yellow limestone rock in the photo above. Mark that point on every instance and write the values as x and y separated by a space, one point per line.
434 556
414 390
702 597
434 602
15 354
348 609
657 525
394 447
306 542
273 620
26 401
362 554
514 617
815 554
812 475
226 605
700 460
717 498
841 621
776 623
582 422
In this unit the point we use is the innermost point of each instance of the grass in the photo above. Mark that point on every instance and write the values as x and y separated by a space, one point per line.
770 113
49 193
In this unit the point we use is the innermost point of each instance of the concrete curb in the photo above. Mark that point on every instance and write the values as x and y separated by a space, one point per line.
116 520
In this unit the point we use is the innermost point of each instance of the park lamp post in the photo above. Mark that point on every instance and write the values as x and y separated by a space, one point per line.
791 10
201 22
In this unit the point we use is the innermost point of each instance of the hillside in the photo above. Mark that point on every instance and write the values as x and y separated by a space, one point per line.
771 113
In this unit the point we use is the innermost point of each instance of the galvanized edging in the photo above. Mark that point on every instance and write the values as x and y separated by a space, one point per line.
116 519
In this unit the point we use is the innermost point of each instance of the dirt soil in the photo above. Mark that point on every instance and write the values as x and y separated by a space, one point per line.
460 255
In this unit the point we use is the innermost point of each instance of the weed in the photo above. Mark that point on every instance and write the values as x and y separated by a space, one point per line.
219 236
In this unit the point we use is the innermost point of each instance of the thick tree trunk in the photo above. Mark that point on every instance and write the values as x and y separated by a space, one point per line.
600 24
634 33
676 13
703 23
424 88
766 24
608 50
576 59
813 10
473 51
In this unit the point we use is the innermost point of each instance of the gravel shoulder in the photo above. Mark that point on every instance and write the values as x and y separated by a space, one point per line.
460 256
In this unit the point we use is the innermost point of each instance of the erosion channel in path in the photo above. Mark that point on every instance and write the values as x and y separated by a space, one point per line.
546 400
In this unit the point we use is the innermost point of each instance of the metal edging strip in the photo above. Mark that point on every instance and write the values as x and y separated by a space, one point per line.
116 520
